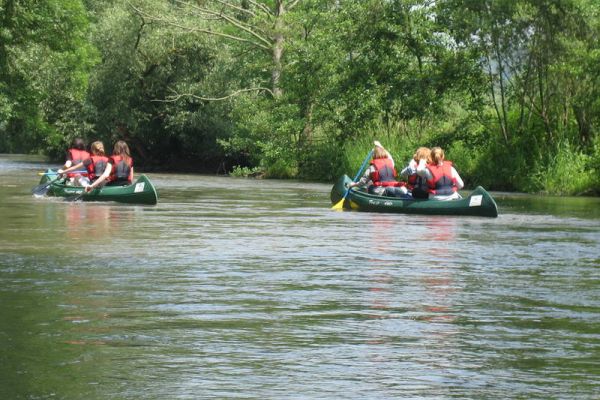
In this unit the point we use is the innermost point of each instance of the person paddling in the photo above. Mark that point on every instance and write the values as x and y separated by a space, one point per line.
119 170
95 165
380 177
75 155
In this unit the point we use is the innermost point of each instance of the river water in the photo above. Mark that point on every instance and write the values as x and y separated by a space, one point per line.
255 289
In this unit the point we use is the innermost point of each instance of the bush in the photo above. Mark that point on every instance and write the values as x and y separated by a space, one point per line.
568 171
245 172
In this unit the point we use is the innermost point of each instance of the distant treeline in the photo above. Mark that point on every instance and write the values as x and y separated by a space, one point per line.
300 88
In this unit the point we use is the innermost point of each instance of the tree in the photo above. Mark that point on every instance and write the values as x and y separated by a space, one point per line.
251 26
45 59
143 64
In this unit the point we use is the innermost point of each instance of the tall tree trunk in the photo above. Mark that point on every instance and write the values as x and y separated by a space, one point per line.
492 87
583 124
308 126
278 40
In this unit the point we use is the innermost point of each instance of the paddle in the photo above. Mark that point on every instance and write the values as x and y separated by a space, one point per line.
84 172
79 196
42 189
340 204
76 197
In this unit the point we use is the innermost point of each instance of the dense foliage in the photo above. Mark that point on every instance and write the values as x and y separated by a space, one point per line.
301 88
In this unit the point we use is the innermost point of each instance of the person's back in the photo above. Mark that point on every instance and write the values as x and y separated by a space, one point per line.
97 163
417 185
382 174
443 180
75 155
380 177
122 165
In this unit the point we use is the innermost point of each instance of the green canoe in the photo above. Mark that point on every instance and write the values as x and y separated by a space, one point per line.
478 203
140 192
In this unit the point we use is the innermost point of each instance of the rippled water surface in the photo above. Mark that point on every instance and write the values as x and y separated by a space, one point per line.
236 288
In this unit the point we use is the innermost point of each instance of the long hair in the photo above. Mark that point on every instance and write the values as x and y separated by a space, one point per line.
380 153
97 148
437 155
121 149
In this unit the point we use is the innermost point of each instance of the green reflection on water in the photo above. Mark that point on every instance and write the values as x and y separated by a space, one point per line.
271 294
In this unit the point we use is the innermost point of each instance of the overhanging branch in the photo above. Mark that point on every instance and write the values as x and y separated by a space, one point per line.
176 96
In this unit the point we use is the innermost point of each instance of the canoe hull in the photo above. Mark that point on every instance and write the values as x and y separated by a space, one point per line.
140 192
479 203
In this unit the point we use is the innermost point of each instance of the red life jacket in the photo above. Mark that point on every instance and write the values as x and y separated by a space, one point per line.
76 156
121 170
96 166
418 186
416 181
442 181
385 173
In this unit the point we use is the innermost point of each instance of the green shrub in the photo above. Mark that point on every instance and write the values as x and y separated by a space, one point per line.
244 172
567 172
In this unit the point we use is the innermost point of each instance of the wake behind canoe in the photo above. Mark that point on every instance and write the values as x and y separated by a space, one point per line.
478 203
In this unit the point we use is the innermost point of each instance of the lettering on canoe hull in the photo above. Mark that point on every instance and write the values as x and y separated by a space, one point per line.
380 203
139 187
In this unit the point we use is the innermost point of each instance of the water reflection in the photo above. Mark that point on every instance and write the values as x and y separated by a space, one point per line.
89 222
245 289
439 284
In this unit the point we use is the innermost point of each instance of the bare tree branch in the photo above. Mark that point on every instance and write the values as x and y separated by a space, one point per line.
237 8
176 96
251 30
292 4
262 7
266 46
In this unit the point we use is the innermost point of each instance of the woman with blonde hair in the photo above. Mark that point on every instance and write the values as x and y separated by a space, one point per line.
119 170
95 165
443 181
417 185
380 177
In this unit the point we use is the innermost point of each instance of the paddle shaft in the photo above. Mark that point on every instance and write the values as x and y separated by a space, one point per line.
70 172
360 171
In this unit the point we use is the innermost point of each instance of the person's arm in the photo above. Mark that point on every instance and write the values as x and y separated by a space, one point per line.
365 178
71 168
411 169
101 179
423 171
459 182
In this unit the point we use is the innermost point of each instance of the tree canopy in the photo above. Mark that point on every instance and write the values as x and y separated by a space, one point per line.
301 88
